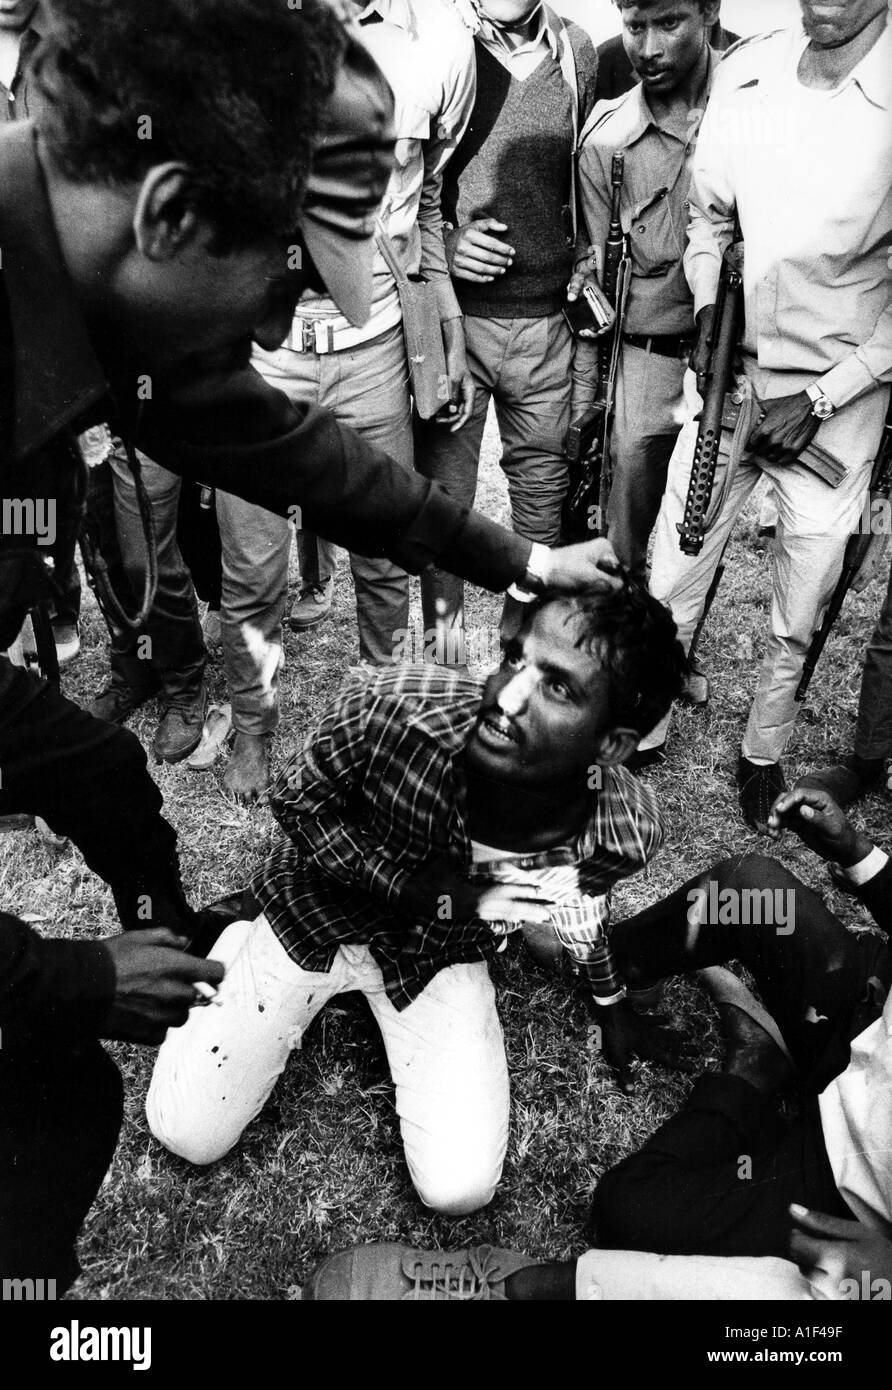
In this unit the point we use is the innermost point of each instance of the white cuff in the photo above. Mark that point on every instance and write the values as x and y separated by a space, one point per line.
845 382
613 998
866 868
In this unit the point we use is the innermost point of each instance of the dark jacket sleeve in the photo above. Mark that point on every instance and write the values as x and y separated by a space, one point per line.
877 897
51 988
231 430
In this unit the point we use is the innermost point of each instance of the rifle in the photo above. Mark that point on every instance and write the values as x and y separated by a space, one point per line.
727 326
588 437
857 550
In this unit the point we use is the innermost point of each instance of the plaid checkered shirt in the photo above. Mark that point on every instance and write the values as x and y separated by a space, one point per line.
378 788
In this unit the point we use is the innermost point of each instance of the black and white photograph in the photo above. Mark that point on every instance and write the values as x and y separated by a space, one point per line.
445 670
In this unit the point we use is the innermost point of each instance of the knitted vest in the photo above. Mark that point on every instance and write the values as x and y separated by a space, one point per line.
513 164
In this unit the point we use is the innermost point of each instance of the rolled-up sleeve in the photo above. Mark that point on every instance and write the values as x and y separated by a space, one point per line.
712 205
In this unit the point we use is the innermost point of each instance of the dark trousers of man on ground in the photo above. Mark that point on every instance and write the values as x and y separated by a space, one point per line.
719 1177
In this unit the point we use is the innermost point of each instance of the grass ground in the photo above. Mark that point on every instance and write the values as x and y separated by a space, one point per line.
322 1167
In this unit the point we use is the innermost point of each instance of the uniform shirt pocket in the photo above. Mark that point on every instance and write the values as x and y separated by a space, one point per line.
655 244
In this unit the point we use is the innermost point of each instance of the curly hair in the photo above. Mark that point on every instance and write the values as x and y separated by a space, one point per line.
634 638
235 89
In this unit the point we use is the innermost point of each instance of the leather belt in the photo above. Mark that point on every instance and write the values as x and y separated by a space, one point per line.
666 344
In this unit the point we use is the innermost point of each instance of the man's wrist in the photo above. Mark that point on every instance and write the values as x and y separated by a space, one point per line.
821 406
867 865
536 575
610 1001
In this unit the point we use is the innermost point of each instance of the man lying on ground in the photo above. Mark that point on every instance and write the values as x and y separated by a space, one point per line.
726 1177
427 816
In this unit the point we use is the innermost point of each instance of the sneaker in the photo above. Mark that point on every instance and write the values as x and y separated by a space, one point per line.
117 700
179 732
759 789
312 605
67 638
391 1273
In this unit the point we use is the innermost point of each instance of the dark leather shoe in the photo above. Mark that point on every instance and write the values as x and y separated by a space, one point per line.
759 789
846 782
754 1045
179 732
644 758
117 700
695 690
212 921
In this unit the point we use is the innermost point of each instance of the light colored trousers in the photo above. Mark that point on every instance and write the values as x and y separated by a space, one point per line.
446 1052
633 1276
366 387
814 524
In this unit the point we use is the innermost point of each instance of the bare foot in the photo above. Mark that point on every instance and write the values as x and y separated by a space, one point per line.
247 775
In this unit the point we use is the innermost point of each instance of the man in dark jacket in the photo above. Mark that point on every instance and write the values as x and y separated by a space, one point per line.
147 239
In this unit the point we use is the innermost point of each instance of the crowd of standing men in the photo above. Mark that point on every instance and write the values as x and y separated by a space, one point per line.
226 309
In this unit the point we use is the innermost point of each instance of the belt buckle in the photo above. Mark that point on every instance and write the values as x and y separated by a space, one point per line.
308 335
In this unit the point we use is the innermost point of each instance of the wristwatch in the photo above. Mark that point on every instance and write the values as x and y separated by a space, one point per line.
822 406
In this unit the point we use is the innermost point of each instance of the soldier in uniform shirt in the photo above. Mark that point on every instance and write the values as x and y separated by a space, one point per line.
655 126
797 145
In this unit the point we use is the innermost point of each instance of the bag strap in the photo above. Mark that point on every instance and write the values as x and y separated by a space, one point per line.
391 255
567 60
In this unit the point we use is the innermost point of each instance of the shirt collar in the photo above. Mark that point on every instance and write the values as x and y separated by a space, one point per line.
872 74
56 375
448 719
641 118
545 29
397 12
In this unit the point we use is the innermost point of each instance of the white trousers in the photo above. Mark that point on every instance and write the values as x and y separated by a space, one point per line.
632 1275
446 1052
814 523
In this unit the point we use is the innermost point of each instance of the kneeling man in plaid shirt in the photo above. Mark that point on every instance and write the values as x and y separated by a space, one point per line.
427 816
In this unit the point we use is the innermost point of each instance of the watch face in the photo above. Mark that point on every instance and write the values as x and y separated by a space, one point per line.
823 408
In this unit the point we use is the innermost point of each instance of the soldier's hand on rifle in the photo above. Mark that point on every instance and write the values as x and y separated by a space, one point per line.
155 984
474 253
590 564
699 359
788 425
820 824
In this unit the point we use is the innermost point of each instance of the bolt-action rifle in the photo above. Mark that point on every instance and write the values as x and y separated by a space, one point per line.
588 438
727 327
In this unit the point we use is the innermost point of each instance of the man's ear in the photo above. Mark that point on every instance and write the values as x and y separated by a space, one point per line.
616 746
711 12
164 220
